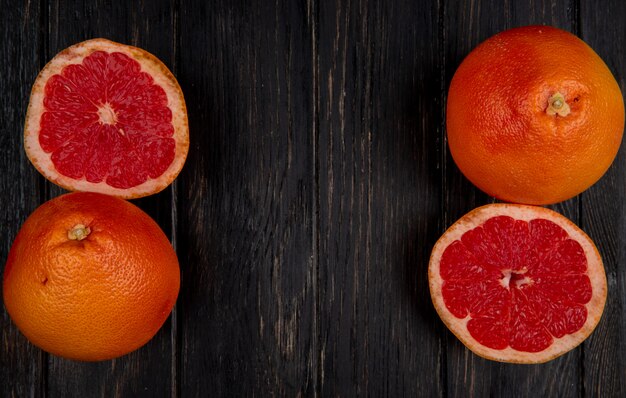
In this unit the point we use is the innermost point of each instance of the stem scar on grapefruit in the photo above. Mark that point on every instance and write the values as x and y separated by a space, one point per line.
534 116
107 117
517 283
90 277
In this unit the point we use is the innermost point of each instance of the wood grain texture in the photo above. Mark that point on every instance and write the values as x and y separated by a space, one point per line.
466 24
377 154
317 182
604 216
22 370
151 26
248 301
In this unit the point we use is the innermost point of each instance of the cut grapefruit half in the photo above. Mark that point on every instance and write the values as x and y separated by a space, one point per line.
517 283
107 117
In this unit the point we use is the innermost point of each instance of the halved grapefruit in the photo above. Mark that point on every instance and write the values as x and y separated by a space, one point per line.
517 283
107 117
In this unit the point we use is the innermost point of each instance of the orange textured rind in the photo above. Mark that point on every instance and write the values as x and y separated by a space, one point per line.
499 133
560 346
150 64
94 299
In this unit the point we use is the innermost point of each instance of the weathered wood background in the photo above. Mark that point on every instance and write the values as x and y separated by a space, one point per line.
317 181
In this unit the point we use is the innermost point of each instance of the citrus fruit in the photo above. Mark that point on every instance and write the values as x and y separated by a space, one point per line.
90 277
517 283
107 117
534 116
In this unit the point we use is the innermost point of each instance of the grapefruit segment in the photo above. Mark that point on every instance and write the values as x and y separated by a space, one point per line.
107 117
517 283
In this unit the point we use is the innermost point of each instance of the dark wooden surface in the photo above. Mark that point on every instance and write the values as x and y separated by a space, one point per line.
317 181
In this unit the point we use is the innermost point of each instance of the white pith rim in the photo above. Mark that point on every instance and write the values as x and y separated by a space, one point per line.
149 64
560 346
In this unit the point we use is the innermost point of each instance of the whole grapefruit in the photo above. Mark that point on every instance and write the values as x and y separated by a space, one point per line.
534 116
90 277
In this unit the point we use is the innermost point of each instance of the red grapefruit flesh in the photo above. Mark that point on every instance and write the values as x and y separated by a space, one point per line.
107 117
517 283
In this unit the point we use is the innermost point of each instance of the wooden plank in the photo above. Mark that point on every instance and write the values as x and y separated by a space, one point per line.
379 189
604 215
248 303
467 23
22 369
149 25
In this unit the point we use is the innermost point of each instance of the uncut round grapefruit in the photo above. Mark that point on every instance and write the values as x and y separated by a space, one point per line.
534 116
107 117
90 277
517 283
